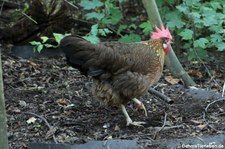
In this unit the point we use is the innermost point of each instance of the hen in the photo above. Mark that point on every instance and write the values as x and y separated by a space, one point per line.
121 72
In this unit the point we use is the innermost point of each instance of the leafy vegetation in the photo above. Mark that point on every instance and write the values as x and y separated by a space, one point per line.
199 24
39 46
107 14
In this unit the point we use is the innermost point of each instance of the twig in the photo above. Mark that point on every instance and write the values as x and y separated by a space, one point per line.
220 99
160 95
164 124
71 4
206 109
223 89
46 122
29 17
2 7
168 127
207 123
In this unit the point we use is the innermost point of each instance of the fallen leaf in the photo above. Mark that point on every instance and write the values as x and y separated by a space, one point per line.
195 73
171 80
202 126
62 101
196 121
117 128
31 120
22 103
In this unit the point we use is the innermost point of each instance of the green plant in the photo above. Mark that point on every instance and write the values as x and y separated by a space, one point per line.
40 45
108 14
198 23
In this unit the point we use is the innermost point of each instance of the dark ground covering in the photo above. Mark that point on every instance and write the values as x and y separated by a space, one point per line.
49 88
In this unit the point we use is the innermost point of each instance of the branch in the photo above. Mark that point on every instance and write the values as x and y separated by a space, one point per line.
160 95
205 112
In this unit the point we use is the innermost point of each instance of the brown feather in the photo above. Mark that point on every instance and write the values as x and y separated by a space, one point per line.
120 71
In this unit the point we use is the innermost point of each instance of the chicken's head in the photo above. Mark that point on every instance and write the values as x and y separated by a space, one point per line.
164 35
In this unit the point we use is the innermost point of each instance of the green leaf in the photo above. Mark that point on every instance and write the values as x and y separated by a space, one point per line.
202 53
94 15
92 38
186 34
146 26
134 26
216 38
58 37
174 20
39 48
90 4
215 5
201 43
221 46
130 38
104 31
182 8
121 28
44 39
114 14
94 29
191 54
50 45
35 43
192 2
175 23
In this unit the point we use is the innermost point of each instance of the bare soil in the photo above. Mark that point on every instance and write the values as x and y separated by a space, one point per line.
57 93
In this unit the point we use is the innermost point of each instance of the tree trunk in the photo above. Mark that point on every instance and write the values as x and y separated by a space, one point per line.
171 61
3 128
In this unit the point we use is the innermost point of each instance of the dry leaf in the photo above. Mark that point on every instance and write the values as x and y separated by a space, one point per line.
117 128
171 80
51 131
195 73
62 102
31 120
196 121
202 126
22 103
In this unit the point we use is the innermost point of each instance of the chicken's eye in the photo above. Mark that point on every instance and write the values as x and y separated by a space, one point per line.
165 40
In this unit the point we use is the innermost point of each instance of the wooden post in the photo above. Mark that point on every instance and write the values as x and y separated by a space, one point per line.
3 124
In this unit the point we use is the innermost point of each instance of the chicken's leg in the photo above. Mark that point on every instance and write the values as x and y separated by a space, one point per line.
140 105
129 121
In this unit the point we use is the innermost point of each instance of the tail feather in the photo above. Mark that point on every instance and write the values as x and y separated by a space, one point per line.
80 54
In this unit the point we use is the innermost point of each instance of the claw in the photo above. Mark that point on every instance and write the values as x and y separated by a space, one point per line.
140 105
139 124
129 121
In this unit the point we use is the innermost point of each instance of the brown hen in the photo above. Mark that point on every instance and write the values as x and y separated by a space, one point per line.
121 72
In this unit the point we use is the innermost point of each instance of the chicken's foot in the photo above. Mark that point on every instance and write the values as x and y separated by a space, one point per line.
140 105
128 119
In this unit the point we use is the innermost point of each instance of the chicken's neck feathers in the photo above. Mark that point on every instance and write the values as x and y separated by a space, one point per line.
157 48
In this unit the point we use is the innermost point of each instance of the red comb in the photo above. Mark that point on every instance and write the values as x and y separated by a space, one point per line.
161 33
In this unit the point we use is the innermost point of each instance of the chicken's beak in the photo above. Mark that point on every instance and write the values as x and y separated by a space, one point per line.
170 42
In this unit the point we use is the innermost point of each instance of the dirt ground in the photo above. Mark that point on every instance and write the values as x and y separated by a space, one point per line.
47 89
